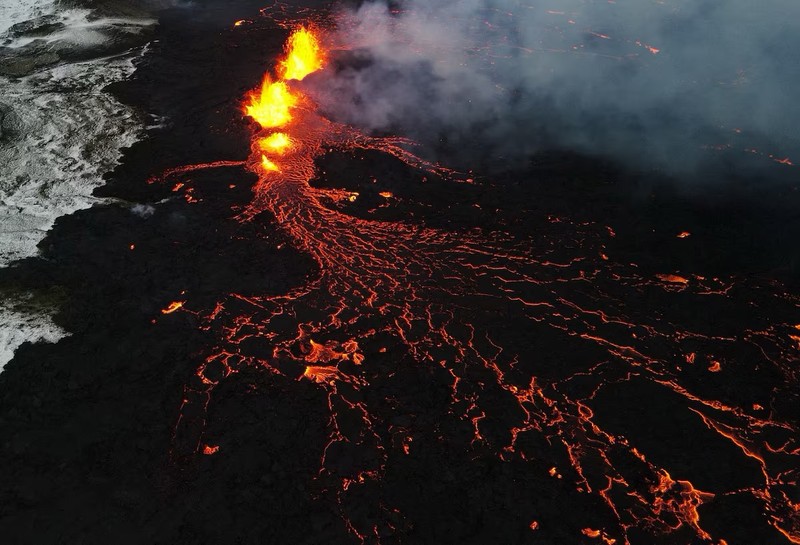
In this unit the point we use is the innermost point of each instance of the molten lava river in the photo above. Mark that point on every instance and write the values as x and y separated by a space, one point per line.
548 354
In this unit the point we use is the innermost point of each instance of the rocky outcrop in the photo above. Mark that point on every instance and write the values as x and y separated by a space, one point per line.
120 8
10 124
115 28
16 66
35 28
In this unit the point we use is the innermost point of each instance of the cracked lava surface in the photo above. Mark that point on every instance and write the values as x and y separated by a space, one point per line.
550 352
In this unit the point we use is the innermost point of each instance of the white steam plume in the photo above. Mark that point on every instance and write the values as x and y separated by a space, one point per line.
665 84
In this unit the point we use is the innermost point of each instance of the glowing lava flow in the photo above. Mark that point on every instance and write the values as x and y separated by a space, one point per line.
275 143
418 291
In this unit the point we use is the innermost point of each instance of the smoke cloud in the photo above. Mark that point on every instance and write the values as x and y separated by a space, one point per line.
672 84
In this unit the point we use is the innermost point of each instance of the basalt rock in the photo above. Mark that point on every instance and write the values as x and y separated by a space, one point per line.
18 67
120 8
36 28
41 53
10 124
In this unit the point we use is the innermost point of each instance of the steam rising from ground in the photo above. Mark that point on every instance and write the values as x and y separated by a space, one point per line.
671 84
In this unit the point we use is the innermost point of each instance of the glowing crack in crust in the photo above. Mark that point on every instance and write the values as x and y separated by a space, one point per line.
419 289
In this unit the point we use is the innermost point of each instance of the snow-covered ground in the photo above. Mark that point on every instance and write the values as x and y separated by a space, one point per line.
18 326
69 133
16 11
72 134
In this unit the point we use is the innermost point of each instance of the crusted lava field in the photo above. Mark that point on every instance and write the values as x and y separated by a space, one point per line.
352 345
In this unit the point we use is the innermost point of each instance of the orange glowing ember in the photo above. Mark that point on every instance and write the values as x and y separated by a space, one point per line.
276 143
590 532
672 279
175 305
271 107
303 55
321 374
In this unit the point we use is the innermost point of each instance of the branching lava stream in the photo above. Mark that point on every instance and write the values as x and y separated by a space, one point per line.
473 305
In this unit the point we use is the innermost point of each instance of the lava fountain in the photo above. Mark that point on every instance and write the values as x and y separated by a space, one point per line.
442 299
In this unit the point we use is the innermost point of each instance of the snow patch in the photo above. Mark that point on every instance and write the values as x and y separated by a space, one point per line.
18 327
17 11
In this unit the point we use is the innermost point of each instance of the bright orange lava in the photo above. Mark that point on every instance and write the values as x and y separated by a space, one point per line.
173 307
277 143
269 165
304 55
271 106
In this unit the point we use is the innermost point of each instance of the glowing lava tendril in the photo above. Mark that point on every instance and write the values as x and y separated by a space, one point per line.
419 289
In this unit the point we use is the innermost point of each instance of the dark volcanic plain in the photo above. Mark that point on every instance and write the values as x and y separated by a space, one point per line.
90 447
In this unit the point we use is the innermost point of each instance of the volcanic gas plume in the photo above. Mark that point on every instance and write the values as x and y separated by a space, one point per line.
674 84
445 299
